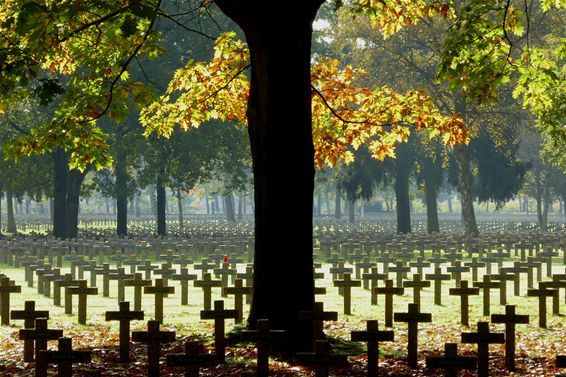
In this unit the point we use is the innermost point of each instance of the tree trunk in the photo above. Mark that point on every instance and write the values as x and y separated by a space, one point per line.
351 204
161 202
0 213
280 64
121 193
338 204
431 206
10 212
402 201
229 205
180 209
74 181
465 188
240 206
207 204
61 171
318 205
137 205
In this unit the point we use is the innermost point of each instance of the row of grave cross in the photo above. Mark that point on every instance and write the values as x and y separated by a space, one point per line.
36 334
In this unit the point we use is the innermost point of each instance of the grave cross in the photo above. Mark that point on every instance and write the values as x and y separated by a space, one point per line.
503 277
413 317
248 277
542 293
556 283
159 291
437 277
456 271
153 337
83 292
510 319
317 316
372 336
6 289
263 337
483 338
517 270
183 277
347 284
29 315
147 268
138 283
64 357
451 362
389 291
400 271
192 360
40 335
464 292
207 284
65 283
121 276
373 276
238 290
224 272
124 316
474 265
219 315
321 359
420 264
560 363
49 278
417 284
485 286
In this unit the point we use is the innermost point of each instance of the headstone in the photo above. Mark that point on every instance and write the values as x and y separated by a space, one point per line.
219 315
6 289
238 290
483 338
389 291
464 292
318 316
207 284
192 359
510 319
137 283
486 285
321 359
437 277
124 316
41 334
159 290
154 338
372 336
451 362
29 315
64 357
263 337
413 317
83 292
542 293
184 277
347 284
417 284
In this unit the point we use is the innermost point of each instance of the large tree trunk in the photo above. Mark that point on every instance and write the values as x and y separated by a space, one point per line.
465 188
431 207
121 193
338 204
74 181
402 201
180 210
61 171
229 207
161 203
10 212
351 204
279 39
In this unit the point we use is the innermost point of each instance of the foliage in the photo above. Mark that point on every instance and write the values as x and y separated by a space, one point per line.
343 114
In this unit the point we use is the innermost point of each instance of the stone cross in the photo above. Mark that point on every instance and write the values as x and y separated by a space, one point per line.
147 268
389 291
207 284
400 271
248 277
464 292
192 359
64 357
153 337
347 284
29 315
372 336
413 317
503 277
485 286
224 272
6 289
373 276
417 284
474 265
159 291
219 315
542 293
318 316
137 283
321 359
238 290
456 271
184 277
40 335
510 319
83 292
483 338
451 362
263 337
556 284
437 277
121 276
124 316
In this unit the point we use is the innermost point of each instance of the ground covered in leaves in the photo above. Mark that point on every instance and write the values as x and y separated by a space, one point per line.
535 353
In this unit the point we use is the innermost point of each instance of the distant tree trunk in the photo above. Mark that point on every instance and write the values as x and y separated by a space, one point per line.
318 205
431 206
465 188
1 194
240 206
327 202
61 171
338 204
402 201
161 202
27 206
351 204
52 210
75 180
137 205
180 209
121 193
10 212
229 206
449 203
207 204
